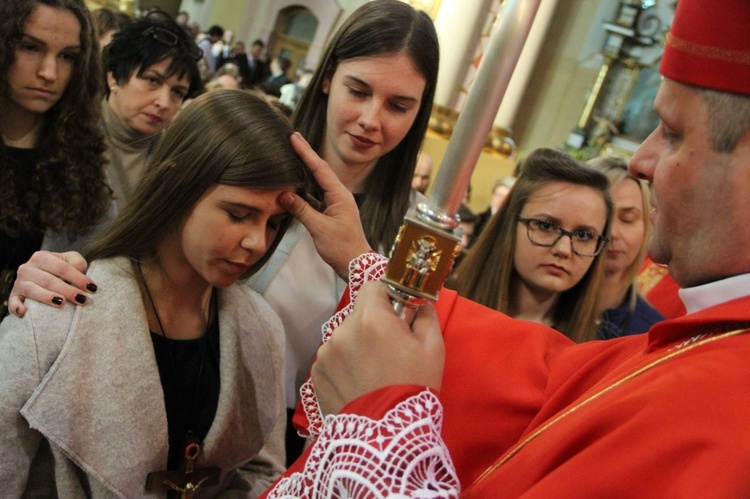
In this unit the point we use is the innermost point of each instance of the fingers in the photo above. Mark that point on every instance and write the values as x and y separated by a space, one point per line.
374 348
426 327
337 235
374 300
423 341
326 178
296 206
73 258
314 162
16 306
426 322
51 278
337 230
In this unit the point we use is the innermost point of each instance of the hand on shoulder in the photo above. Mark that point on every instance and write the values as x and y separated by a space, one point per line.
51 278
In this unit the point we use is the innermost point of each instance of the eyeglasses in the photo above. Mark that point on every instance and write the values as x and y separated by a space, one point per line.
167 37
545 233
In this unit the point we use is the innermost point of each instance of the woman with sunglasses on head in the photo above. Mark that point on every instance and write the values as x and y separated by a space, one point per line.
52 179
540 256
173 366
151 68
625 312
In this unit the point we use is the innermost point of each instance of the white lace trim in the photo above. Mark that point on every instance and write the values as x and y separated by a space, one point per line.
398 456
366 267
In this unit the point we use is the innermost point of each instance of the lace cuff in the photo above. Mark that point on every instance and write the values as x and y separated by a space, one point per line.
400 455
366 267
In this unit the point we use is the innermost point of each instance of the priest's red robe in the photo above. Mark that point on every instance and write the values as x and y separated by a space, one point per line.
662 414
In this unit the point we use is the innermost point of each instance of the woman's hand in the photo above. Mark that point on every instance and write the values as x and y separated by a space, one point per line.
51 278
336 230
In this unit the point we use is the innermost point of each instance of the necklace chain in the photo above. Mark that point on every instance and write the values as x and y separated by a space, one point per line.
172 363
153 305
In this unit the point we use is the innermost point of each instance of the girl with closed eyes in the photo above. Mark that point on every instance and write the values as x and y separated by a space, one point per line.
365 112
173 365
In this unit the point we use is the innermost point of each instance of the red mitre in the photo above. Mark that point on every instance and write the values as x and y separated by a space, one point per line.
709 45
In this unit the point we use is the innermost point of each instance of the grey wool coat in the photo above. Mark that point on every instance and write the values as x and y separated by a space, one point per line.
82 408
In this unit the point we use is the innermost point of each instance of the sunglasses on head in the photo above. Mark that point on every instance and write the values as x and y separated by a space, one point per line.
170 38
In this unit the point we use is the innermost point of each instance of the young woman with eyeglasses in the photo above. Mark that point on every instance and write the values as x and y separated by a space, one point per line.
52 179
151 68
540 256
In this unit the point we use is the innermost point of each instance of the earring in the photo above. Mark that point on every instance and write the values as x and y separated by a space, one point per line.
113 90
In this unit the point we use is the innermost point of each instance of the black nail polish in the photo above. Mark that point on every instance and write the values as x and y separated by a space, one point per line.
57 300
91 287
81 298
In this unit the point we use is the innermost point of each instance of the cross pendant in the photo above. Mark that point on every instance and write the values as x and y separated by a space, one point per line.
189 479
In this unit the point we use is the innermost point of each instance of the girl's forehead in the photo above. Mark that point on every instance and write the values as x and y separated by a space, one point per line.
395 61
574 203
557 189
393 73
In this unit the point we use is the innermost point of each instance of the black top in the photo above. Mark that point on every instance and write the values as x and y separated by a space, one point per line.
191 393
17 250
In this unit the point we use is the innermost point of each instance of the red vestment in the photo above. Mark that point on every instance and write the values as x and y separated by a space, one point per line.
677 429
659 289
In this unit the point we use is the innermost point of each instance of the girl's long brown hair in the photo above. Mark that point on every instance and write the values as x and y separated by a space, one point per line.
486 275
377 28
68 191
230 137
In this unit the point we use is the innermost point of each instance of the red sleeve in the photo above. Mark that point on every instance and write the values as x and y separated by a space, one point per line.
494 382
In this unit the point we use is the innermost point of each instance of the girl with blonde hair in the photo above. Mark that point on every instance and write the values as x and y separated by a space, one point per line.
624 311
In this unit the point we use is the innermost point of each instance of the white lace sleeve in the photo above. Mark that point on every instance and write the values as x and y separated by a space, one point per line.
399 456
366 267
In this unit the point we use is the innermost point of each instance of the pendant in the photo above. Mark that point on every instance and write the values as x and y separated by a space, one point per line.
188 479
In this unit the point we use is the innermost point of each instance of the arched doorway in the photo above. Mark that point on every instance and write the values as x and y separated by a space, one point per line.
293 32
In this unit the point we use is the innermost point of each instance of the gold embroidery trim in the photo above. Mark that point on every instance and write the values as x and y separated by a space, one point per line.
649 277
598 394
716 53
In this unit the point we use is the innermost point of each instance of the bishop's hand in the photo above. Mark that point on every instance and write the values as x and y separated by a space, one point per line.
336 230
374 348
